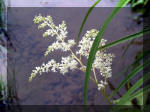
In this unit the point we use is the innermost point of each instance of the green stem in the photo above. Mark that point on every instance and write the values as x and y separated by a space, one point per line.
95 74
103 93
106 97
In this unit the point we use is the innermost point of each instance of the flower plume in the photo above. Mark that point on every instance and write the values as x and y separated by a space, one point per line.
102 62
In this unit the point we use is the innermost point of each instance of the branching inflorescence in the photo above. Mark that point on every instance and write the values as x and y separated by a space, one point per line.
102 62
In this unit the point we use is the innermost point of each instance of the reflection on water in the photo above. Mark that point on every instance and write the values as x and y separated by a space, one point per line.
60 3
54 88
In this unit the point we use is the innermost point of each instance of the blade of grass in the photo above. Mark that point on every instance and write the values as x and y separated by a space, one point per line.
85 18
133 88
124 39
111 86
140 57
2 6
123 71
127 47
132 74
139 92
95 45
132 2
138 2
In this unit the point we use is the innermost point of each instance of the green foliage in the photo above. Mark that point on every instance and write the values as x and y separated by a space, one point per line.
95 45
131 75
139 58
2 87
126 99
85 18
1 26
127 38
127 96
140 6
1 13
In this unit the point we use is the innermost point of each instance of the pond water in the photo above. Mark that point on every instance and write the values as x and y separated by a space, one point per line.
54 88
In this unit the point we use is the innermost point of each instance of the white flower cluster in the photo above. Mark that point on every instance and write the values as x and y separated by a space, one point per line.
102 84
67 63
59 31
102 62
44 68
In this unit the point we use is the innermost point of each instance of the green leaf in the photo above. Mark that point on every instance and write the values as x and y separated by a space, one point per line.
2 6
123 99
138 3
139 58
132 74
146 1
123 71
95 45
140 92
127 47
124 39
85 18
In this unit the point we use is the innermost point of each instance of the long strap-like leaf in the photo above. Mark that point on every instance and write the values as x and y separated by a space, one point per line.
139 58
140 93
132 74
95 45
85 18
133 88
124 39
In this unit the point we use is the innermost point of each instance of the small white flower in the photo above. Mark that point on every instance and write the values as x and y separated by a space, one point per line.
71 43
67 63
102 85
64 46
56 45
44 68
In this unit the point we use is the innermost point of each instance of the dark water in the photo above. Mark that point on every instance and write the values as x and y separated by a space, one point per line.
54 88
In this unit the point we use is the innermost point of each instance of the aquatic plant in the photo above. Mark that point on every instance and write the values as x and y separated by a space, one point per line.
134 92
102 62
96 46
